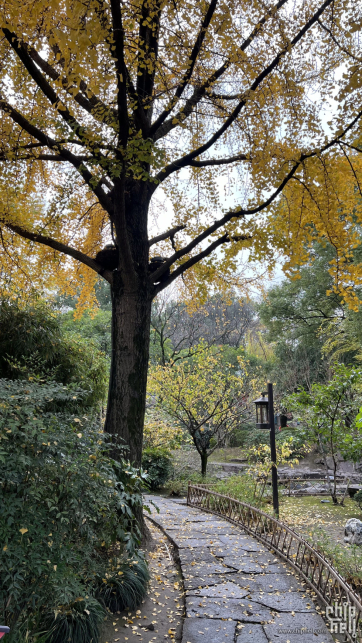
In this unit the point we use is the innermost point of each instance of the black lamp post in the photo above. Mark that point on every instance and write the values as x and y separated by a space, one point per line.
265 420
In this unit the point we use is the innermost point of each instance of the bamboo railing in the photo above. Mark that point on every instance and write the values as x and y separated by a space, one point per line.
317 572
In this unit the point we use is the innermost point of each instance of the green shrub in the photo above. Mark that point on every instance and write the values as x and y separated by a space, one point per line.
358 498
34 346
178 486
347 560
157 463
299 441
67 509
245 489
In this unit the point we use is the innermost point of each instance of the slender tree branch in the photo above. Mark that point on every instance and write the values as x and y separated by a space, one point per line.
148 38
45 157
45 87
193 260
166 235
234 214
60 247
185 160
117 51
231 159
345 51
191 64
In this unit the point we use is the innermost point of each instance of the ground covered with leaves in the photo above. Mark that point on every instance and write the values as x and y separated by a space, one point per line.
307 512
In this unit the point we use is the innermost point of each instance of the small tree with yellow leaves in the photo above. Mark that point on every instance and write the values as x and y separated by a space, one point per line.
204 396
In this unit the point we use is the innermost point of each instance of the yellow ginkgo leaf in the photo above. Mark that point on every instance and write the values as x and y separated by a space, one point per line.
23 531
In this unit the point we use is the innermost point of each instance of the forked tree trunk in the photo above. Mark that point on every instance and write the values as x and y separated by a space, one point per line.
131 315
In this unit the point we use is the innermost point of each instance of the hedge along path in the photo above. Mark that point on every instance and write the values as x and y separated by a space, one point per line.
236 590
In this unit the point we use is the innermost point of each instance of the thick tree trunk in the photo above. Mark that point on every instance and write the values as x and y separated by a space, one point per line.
203 464
131 314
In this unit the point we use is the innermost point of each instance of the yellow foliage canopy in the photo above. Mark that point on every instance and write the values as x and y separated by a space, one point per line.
218 104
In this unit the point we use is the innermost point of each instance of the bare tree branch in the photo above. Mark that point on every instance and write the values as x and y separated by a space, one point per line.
193 260
234 214
191 64
47 89
85 98
231 159
166 235
117 52
60 247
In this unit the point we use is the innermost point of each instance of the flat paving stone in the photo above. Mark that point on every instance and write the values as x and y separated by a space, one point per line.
301 628
244 542
252 633
196 554
208 580
197 630
244 610
269 582
222 590
204 568
193 542
283 601
235 589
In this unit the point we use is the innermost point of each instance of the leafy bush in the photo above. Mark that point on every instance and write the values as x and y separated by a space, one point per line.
358 498
67 511
253 437
347 560
34 346
243 488
158 464
298 440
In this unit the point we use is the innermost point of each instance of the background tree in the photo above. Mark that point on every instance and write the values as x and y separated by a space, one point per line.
309 324
105 102
328 411
176 328
203 397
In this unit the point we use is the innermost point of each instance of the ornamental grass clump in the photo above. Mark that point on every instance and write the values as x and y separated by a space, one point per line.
124 586
78 622
67 512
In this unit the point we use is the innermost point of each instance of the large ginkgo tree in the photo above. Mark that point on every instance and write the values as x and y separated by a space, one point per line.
243 115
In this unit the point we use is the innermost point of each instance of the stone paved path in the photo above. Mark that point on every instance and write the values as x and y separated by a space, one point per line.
236 590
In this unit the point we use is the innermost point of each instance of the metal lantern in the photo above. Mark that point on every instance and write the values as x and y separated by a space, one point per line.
262 412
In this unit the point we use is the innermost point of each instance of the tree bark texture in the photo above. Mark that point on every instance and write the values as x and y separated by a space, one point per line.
203 463
132 293
131 315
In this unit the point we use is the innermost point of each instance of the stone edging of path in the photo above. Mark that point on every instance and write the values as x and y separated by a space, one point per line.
236 590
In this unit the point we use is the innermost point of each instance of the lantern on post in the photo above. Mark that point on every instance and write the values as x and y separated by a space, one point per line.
265 420
262 412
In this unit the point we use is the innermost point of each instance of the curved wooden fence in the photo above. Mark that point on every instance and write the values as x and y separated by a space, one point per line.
325 581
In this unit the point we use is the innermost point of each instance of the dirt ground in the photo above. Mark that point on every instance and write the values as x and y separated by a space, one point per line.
159 616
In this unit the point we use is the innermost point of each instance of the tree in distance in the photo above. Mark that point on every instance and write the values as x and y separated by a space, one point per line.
204 397
107 104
